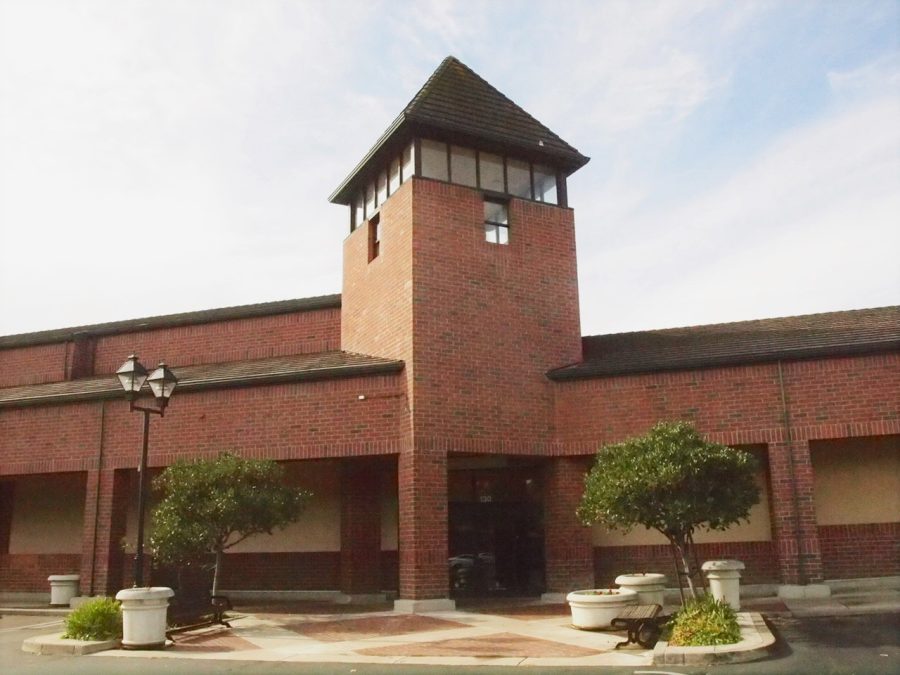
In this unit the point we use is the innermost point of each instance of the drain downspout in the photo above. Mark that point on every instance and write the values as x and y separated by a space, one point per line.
786 416
97 495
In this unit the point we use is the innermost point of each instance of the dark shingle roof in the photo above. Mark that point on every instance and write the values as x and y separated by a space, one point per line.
794 337
318 366
173 320
457 104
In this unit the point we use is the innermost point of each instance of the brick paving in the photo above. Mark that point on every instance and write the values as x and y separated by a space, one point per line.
369 627
487 646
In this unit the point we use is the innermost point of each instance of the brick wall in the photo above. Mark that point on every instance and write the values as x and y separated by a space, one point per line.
300 332
28 572
33 365
490 319
852 551
287 421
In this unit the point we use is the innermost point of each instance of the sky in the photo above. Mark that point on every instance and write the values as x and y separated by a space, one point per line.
161 157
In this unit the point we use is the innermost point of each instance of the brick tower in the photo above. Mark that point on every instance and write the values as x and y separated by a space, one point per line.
461 262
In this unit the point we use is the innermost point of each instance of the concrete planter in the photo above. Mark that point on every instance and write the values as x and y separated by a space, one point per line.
63 587
596 608
725 580
649 586
144 616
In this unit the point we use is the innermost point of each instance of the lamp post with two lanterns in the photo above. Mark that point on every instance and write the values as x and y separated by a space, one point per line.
162 381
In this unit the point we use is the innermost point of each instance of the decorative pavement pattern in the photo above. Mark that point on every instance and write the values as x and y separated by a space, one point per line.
527 635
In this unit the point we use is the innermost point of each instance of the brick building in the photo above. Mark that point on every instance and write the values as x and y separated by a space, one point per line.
444 407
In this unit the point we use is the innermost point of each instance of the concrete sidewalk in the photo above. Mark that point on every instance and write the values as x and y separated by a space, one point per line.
509 633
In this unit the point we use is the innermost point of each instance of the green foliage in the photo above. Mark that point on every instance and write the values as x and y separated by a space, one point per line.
672 480
97 619
208 506
704 621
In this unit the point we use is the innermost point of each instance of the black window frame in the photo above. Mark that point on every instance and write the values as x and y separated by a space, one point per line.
504 202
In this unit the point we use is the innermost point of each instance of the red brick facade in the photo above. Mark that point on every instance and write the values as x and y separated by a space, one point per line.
478 326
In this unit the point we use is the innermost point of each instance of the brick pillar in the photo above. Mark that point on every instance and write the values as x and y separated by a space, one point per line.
568 548
7 496
104 527
794 513
422 492
360 526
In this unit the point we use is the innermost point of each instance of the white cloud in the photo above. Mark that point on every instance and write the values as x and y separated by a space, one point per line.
809 225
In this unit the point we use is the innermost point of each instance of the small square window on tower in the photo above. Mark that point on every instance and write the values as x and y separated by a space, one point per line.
496 222
374 236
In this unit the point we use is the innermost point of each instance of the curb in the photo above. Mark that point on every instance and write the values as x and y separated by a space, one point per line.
756 638
33 611
55 644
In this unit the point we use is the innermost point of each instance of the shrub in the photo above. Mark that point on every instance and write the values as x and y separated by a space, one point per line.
98 619
704 621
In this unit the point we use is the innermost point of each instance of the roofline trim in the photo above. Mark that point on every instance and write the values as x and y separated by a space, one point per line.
194 318
575 372
330 372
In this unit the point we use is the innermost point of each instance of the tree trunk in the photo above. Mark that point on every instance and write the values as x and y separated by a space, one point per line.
681 545
218 567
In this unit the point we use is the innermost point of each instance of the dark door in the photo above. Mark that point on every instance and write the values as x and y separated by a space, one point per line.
496 536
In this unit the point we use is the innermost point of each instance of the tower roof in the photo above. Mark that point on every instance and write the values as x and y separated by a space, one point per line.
457 105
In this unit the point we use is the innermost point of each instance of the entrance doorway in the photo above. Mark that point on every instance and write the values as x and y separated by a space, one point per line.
496 533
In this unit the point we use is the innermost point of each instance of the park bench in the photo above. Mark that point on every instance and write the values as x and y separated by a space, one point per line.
643 623
197 609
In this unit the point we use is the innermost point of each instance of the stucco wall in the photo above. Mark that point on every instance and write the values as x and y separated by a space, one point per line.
48 513
857 480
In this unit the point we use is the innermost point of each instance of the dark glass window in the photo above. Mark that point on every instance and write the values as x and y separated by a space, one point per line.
374 237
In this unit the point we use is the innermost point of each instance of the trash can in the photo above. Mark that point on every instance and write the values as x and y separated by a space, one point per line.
725 580
63 587
144 616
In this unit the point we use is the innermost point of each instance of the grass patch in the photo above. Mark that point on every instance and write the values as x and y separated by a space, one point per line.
703 622
98 619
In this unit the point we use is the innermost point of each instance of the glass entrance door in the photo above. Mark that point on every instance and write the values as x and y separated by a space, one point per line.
496 536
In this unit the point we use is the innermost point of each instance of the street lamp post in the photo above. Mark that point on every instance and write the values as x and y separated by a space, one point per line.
132 375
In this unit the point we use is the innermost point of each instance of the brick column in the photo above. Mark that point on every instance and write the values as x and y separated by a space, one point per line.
794 513
104 526
422 492
568 548
7 496
360 526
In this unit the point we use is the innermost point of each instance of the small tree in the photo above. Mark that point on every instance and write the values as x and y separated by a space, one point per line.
210 505
674 481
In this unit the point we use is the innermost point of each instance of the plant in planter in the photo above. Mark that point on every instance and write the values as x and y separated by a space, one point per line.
97 619
594 608
674 481
703 622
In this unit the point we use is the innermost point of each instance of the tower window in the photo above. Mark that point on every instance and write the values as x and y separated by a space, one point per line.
462 166
491 172
544 184
434 160
374 237
496 222
518 178
394 182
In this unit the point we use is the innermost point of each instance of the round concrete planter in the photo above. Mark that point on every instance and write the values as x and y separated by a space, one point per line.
63 587
144 616
725 580
596 608
649 586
